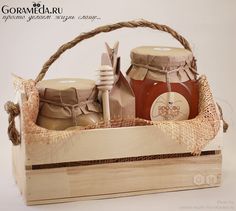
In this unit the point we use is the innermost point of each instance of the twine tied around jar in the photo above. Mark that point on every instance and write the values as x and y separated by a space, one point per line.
167 72
71 108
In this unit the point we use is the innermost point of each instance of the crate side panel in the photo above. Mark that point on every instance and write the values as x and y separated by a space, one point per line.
108 143
18 165
114 195
108 179
18 152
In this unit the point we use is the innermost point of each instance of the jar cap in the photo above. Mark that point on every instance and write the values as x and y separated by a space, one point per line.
66 83
161 56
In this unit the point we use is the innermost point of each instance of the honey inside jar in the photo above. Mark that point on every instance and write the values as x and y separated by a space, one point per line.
164 83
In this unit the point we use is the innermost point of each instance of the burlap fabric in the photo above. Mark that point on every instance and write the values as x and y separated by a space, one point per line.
195 134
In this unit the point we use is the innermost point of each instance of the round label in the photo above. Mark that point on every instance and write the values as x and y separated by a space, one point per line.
170 106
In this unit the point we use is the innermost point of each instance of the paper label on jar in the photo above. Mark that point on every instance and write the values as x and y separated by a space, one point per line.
170 106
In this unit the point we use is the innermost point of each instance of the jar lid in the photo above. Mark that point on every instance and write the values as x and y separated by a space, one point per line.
66 83
154 62
161 56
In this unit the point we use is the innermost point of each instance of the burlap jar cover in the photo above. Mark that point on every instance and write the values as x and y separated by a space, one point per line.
195 133
68 102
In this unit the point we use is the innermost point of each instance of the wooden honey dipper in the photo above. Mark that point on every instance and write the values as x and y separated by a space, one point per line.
105 84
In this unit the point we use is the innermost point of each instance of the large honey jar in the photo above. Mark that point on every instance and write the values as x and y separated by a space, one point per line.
68 102
164 83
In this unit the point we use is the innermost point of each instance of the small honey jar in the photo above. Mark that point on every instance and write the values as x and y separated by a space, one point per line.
68 102
164 83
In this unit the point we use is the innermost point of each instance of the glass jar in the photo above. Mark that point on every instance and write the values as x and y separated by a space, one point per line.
67 103
164 83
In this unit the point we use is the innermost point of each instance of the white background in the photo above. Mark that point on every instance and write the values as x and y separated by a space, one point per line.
210 27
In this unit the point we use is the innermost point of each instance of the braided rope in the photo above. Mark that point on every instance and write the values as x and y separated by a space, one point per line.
13 110
109 28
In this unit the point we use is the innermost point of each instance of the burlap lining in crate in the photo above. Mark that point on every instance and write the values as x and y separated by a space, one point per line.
195 134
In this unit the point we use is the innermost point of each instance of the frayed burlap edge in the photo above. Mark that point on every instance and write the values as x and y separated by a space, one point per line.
195 134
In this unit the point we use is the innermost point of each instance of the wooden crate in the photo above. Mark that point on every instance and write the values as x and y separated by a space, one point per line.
106 163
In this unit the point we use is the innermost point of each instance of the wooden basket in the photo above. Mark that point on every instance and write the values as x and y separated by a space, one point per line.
104 163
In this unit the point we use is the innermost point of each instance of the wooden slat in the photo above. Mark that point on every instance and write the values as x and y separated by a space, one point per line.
122 178
109 143
114 195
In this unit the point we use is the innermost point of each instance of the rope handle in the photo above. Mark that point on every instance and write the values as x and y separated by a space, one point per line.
13 111
109 28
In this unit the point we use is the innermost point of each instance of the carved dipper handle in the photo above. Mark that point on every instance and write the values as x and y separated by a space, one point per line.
105 84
